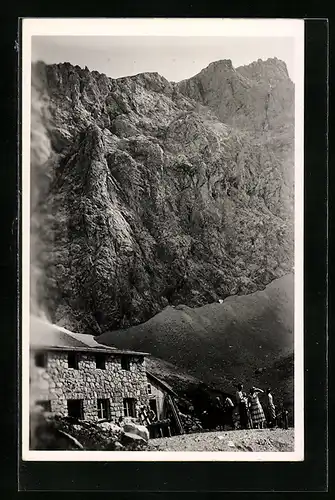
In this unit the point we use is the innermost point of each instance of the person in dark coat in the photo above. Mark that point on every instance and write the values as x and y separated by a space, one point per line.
242 405
219 414
283 417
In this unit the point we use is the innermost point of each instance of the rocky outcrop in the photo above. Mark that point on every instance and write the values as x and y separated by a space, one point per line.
258 97
163 193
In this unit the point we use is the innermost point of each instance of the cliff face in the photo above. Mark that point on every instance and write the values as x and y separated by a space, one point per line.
164 193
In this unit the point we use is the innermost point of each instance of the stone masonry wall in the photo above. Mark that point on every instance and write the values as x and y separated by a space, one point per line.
58 383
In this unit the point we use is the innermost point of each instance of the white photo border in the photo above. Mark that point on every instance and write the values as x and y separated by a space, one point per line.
293 28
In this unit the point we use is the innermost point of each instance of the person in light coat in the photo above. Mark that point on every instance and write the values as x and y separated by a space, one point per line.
271 409
256 409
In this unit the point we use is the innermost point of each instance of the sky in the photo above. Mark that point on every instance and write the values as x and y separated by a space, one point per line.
174 57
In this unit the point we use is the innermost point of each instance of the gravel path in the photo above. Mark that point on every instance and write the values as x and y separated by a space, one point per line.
242 440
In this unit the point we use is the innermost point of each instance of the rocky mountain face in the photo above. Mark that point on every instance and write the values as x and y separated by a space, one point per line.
163 193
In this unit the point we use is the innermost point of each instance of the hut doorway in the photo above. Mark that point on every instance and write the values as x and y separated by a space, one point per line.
153 405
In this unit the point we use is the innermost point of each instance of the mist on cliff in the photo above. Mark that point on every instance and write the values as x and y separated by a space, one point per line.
40 154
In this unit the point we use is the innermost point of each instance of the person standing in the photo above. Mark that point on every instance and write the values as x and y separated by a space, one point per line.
229 407
249 424
256 410
271 410
219 413
242 405
283 417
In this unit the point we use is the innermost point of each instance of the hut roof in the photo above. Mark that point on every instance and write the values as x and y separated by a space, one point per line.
163 384
44 335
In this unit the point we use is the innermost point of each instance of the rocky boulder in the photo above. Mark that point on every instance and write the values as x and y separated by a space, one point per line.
52 432
136 429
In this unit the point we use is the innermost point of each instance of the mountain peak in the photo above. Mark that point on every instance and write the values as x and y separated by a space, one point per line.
222 63
243 96
272 70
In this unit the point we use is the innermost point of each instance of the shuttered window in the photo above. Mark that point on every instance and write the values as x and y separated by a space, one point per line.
104 409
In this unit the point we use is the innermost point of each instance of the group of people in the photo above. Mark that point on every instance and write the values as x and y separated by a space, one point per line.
251 412
224 412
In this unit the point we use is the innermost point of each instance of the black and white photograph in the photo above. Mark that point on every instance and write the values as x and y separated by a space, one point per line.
162 239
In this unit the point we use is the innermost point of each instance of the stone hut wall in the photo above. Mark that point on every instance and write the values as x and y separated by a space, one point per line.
58 383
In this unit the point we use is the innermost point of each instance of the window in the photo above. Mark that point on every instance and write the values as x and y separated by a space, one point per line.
75 408
100 361
72 360
46 405
149 389
103 408
129 407
41 359
125 363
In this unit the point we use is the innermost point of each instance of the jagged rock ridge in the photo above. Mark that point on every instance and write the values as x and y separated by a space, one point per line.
158 196
258 97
